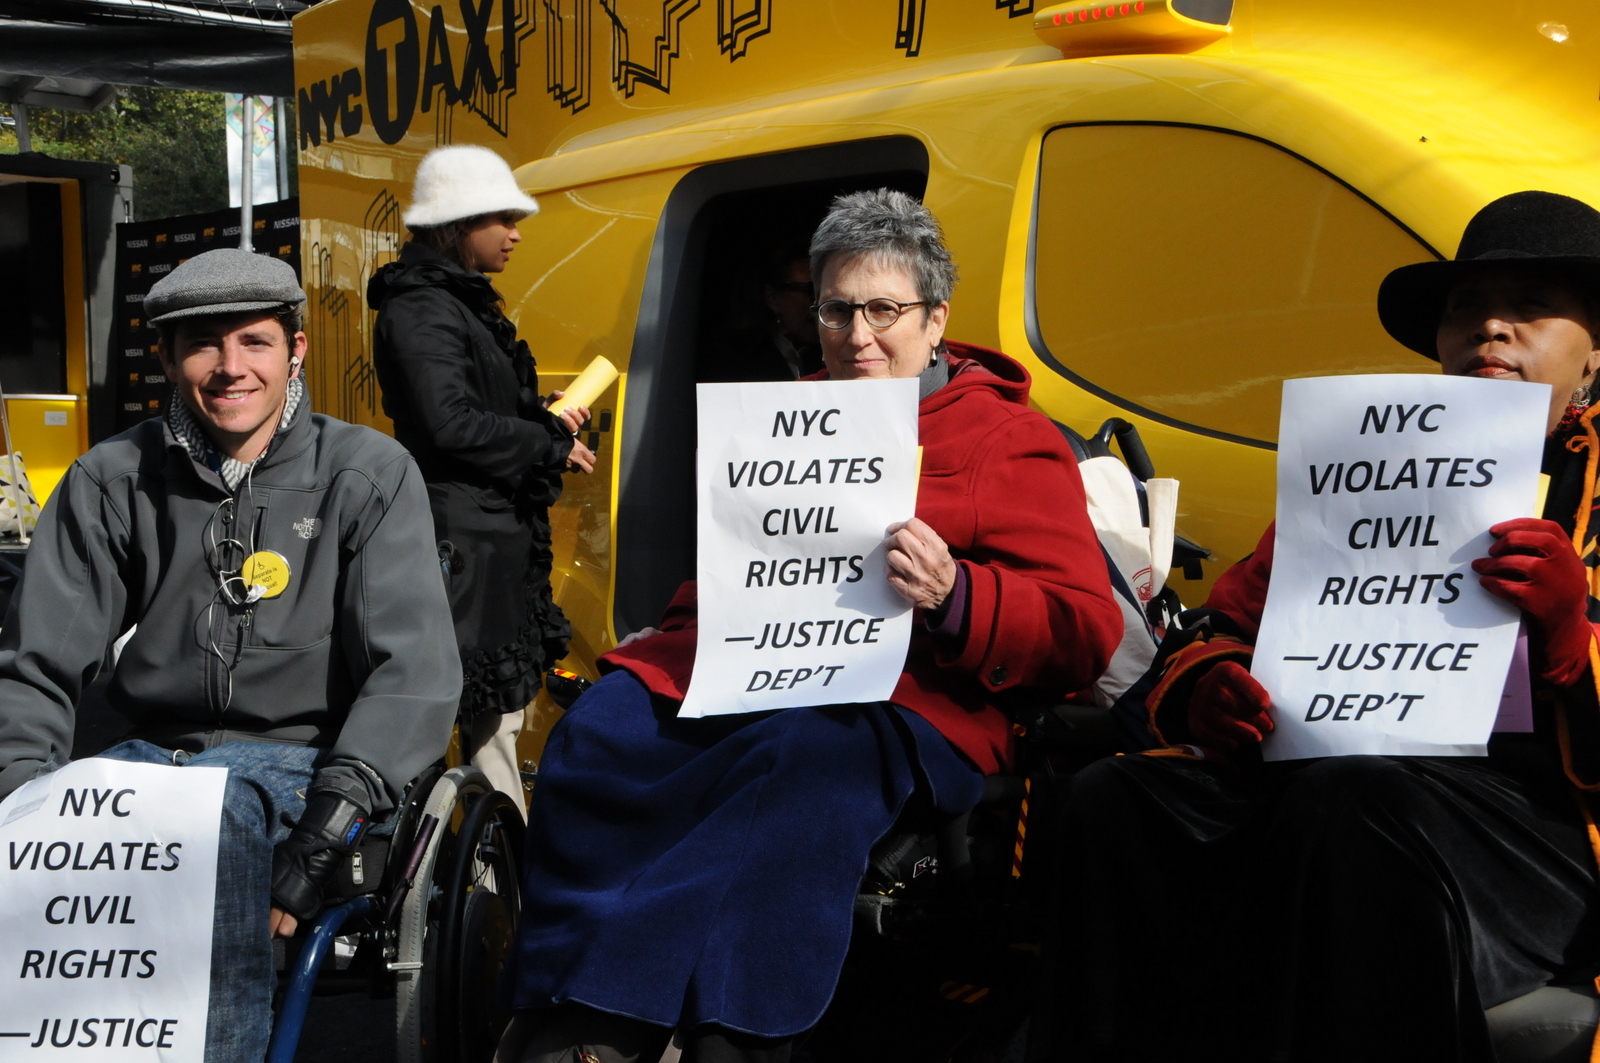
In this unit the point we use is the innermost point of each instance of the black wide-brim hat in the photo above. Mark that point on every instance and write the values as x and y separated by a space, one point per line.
1541 229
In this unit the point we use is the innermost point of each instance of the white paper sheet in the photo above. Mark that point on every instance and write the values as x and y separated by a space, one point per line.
1377 637
797 482
107 884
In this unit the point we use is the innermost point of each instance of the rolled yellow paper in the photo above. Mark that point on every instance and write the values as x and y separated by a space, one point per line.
589 386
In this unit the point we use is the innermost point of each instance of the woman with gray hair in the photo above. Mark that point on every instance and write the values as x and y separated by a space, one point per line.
700 874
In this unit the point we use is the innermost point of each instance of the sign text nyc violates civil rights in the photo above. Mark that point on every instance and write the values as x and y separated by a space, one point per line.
797 483
1377 637
106 903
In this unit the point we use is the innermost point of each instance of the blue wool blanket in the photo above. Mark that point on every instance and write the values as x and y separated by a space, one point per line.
685 872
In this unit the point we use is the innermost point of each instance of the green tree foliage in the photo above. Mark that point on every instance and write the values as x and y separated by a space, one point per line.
174 141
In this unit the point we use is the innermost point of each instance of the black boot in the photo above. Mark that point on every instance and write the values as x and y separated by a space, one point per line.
718 1044
573 1033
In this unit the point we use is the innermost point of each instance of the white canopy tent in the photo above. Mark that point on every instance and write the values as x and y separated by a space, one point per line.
70 54
214 45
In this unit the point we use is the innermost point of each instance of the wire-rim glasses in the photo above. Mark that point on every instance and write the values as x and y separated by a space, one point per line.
879 313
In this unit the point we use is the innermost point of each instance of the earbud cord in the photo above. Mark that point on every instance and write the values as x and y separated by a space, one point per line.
224 591
250 489
211 641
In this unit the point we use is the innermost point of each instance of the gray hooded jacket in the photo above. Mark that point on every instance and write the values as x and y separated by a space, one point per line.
357 653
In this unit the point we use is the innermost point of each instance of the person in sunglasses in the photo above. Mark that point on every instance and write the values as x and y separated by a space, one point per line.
701 874
783 343
1372 907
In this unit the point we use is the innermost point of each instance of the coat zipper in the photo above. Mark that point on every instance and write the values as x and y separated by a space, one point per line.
216 665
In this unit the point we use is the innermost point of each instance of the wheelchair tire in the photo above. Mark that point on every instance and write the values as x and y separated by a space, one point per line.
417 1033
477 927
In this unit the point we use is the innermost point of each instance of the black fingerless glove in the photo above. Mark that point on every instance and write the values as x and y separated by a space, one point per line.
319 843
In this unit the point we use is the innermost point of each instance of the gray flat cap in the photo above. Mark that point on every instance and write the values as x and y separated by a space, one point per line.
224 281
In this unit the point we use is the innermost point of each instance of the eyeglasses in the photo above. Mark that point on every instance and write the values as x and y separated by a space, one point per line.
879 313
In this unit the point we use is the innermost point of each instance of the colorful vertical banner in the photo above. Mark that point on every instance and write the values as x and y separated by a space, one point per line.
264 144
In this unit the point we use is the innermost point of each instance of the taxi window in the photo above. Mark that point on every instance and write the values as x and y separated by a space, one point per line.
1184 273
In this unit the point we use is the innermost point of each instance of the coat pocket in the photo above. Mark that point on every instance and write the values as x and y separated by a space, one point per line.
490 499
282 684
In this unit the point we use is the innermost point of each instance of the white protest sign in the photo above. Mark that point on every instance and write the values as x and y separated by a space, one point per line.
106 900
797 483
1377 636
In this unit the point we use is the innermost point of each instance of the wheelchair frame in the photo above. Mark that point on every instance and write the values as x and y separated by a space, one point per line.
973 895
435 932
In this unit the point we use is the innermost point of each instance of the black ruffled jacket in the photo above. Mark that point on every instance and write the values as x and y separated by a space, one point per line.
463 392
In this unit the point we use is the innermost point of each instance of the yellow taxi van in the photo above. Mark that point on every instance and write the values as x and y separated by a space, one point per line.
1163 208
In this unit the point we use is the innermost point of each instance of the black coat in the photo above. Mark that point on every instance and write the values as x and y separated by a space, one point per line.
463 393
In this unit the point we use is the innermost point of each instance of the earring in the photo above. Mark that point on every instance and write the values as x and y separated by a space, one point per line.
1582 396
933 357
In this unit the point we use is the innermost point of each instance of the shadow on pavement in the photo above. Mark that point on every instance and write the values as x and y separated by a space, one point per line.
348 1028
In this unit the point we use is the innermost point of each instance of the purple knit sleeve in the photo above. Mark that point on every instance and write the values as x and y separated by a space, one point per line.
949 626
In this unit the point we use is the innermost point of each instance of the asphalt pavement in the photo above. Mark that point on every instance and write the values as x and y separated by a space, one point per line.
349 1028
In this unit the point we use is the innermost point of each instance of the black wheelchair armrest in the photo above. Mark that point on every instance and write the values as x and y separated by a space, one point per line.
1080 733
999 788
565 687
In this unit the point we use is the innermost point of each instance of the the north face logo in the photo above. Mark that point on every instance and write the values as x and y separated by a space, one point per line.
308 527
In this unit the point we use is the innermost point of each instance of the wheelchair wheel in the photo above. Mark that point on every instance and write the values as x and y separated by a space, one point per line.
457 925
478 929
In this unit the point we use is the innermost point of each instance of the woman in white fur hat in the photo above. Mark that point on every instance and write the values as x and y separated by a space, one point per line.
463 392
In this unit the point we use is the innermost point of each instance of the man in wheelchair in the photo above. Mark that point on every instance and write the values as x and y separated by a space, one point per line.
269 576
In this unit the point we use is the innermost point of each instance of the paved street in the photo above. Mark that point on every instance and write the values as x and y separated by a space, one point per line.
348 1029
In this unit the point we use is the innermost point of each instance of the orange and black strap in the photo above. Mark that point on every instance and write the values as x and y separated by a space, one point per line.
1168 702
1589 441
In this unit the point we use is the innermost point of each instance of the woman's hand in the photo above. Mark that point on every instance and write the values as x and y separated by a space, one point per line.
1533 566
573 416
1229 711
920 566
638 636
581 458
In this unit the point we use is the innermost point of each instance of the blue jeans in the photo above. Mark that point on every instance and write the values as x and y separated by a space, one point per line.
265 796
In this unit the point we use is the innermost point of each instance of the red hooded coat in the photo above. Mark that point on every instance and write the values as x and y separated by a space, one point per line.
1001 488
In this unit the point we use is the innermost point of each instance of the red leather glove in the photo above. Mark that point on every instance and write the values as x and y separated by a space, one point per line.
1229 711
1533 566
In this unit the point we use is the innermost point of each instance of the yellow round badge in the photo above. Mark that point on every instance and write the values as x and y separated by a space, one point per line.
268 570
